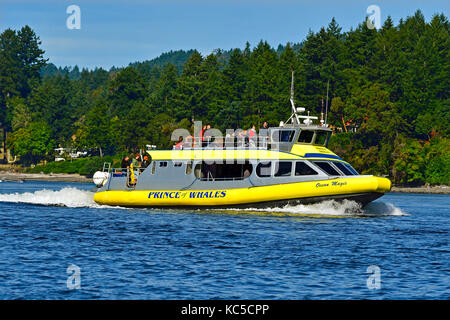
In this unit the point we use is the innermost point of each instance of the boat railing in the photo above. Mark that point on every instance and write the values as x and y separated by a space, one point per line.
119 172
126 173
230 143
106 167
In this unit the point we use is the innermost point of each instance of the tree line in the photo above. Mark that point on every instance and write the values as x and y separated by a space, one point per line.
388 96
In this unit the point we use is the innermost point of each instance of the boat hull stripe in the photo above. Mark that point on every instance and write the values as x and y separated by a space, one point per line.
320 155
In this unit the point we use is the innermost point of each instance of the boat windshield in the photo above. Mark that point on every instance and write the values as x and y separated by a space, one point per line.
345 170
306 136
321 137
283 135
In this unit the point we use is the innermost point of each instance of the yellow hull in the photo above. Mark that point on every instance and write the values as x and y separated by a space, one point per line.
230 197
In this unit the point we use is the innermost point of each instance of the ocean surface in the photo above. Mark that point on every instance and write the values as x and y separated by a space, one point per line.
56 243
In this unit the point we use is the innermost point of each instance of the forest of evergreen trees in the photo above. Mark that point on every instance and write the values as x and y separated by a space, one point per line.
392 84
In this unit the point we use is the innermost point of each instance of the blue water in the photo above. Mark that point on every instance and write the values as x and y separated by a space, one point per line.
304 252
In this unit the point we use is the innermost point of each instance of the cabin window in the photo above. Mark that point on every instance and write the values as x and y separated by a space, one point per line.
263 169
189 168
349 167
177 164
306 136
321 137
283 168
283 135
325 166
343 168
223 171
163 164
302 169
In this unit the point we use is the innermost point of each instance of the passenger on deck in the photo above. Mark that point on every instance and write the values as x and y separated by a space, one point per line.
243 140
202 138
125 163
252 131
145 163
136 161
252 137
135 164
207 139
179 145
264 127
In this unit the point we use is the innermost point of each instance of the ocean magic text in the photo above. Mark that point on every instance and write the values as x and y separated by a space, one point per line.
188 194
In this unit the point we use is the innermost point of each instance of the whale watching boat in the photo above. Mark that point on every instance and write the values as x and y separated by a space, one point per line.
288 164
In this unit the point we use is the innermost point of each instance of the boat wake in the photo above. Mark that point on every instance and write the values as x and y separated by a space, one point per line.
66 197
76 198
332 208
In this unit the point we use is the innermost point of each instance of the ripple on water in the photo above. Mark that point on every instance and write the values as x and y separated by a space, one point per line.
290 252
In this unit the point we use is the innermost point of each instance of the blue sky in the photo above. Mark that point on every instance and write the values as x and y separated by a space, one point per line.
119 32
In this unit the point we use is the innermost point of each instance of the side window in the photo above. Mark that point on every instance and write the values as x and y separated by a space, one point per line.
177 164
163 164
305 136
325 166
302 169
263 169
343 168
283 168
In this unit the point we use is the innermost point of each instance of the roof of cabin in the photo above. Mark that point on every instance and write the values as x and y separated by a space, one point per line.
299 151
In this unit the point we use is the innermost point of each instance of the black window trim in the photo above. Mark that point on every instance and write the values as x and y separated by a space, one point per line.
337 168
163 164
264 162
275 167
306 130
178 164
350 167
292 135
322 170
316 133
309 165
343 173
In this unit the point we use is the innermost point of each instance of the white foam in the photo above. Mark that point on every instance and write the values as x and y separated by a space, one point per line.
334 208
68 197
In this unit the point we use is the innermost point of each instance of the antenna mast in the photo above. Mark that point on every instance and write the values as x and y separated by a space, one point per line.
326 105
294 116
294 109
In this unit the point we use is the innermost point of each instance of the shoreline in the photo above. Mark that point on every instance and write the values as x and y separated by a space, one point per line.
66 177
428 190
59 177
